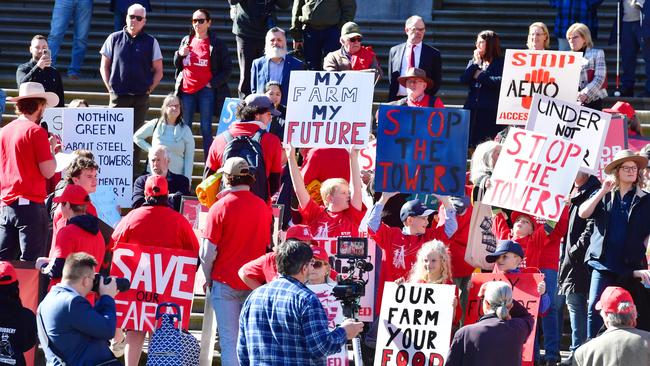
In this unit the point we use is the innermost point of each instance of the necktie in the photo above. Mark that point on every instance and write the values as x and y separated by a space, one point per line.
412 57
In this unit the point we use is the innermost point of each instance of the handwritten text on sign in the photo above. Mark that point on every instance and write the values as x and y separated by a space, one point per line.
329 109
421 150
157 275
534 174
108 134
524 291
525 73
584 126
415 324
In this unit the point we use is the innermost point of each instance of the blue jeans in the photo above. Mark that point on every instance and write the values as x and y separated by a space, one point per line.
81 12
599 281
631 41
3 101
204 99
577 305
318 43
227 304
549 322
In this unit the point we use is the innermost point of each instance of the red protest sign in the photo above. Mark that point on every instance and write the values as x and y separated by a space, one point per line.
157 275
636 143
615 141
524 291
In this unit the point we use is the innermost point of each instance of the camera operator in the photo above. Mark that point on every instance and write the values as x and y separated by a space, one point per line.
299 324
69 328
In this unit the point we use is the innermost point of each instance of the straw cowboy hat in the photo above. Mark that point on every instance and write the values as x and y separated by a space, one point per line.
623 156
415 73
35 90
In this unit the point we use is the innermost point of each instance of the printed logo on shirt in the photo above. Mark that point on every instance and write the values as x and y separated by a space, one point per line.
6 350
398 258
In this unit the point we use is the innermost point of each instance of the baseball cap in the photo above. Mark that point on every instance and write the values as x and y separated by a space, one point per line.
622 108
7 273
320 253
235 166
156 185
300 232
414 208
503 247
262 101
612 297
516 215
73 194
350 30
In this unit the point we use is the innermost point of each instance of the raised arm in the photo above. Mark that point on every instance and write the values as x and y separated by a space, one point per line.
356 196
296 178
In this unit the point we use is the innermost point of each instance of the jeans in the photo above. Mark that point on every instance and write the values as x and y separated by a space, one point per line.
227 304
23 226
577 305
248 49
81 12
631 41
140 105
318 43
204 100
549 322
599 281
3 101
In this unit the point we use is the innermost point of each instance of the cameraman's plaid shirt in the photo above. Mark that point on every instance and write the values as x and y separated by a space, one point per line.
283 323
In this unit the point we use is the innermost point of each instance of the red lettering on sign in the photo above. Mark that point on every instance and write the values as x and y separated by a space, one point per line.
391 119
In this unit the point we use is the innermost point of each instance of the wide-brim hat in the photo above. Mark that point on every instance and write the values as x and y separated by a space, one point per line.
35 90
413 73
626 155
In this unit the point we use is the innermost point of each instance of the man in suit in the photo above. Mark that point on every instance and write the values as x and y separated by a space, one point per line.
275 65
69 328
413 53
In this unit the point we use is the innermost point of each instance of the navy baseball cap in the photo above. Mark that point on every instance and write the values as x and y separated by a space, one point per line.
503 247
414 208
262 101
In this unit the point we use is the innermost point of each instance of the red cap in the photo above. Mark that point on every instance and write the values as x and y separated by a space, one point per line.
155 186
7 273
320 253
612 297
516 215
300 232
622 108
73 194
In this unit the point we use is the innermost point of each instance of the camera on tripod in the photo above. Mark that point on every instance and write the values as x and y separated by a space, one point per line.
351 283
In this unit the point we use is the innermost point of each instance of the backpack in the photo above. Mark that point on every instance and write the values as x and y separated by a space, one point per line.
170 345
250 149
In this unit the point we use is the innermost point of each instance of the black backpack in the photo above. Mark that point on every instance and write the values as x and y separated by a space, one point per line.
250 149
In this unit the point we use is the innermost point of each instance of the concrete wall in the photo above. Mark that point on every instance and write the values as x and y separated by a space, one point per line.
394 9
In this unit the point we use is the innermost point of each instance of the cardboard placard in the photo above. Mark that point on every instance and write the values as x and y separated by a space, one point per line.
334 312
415 324
157 275
421 150
367 156
108 134
584 126
227 114
329 109
534 174
524 291
615 141
525 72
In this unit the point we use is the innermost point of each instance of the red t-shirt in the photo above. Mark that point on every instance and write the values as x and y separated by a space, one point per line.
157 226
271 147
549 257
59 222
263 269
23 145
239 224
327 224
424 102
196 66
399 252
322 164
531 244
73 239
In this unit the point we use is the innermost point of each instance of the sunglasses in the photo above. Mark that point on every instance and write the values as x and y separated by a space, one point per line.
136 17
200 21
355 39
318 264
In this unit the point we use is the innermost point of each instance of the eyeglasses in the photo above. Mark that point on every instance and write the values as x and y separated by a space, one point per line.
629 169
317 264
200 21
173 105
355 39
136 17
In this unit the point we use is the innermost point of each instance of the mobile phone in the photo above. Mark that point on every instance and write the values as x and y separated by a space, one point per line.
46 52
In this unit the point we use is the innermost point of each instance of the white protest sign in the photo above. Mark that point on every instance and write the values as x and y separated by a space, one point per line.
334 312
105 201
552 73
108 134
54 119
368 156
584 126
329 109
415 324
534 173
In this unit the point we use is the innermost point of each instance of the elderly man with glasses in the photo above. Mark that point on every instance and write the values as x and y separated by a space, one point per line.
352 55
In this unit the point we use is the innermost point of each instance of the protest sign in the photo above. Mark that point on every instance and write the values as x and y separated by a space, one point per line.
524 291
367 156
196 214
157 275
525 72
105 201
329 109
534 174
53 117
415 324
615 141
227 114
108 134
421 150
637 142
334 312
584 126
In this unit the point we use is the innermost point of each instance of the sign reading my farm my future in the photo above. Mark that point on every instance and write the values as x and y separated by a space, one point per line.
329 109
421 150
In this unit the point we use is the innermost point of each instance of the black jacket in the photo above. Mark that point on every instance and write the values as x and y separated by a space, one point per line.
178 185
253 17
484 91
430 62
17 331
49 77
573 275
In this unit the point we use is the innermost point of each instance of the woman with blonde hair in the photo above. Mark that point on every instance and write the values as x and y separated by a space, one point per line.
593 76
538 38
432 264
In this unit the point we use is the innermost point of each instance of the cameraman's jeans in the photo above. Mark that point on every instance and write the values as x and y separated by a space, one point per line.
227 304
80 12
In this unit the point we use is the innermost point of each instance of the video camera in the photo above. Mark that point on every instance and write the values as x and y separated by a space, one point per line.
122 283
351 284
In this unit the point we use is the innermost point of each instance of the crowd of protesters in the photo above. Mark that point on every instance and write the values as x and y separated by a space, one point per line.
593 258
